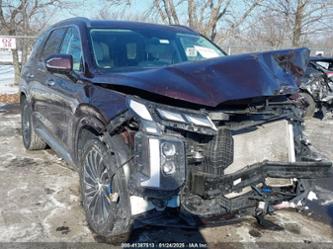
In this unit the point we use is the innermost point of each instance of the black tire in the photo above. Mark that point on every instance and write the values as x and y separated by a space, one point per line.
309 105
31 140
99 178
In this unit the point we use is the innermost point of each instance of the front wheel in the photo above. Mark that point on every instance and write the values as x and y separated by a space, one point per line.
104 192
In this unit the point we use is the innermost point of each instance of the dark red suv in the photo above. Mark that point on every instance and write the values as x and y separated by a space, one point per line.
161 123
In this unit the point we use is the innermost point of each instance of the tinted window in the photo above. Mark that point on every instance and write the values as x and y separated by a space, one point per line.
72 45
126 50
53 43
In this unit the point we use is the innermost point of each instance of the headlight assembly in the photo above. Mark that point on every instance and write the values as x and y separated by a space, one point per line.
201 121
140 109
186 118
172 116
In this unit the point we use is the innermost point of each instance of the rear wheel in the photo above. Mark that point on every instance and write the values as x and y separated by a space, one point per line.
104 192
31 140
309 104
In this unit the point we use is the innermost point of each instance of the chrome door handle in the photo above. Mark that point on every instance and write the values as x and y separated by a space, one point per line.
51 82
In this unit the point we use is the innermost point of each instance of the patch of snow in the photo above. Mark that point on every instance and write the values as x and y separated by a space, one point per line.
7 80
56 202
327 202
325 195
6 74
8 89
312 196
6 56
74 198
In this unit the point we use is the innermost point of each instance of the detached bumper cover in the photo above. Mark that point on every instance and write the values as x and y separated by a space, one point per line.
205 198
202 184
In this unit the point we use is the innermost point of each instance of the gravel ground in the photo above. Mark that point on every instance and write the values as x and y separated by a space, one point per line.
40 201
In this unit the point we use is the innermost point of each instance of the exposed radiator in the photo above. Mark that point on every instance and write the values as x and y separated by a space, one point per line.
227 153
272 141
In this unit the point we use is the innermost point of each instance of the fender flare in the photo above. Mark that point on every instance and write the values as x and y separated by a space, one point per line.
86 117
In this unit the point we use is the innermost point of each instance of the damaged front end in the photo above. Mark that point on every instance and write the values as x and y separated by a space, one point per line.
218 161
208 141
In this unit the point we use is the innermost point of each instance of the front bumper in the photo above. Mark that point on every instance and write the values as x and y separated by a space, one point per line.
207 186
205 195
255 174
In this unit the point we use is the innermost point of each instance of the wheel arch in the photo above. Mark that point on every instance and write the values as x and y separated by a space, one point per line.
89 122
23 96
24 93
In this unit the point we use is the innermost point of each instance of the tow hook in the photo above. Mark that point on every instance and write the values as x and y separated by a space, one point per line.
262 209
263 206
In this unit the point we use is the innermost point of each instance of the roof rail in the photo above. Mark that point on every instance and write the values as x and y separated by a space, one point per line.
182 26
82 19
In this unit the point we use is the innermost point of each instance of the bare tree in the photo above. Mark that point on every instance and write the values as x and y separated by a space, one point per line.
119 10
303 17
207 16
26 17
267 30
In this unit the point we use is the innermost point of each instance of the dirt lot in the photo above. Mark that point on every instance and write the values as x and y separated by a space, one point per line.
40 200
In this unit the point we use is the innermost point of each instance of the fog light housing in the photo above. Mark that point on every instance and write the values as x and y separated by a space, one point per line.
172 161
168 149
169 168
161 161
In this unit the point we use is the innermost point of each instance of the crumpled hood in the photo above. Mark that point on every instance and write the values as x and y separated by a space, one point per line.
214 81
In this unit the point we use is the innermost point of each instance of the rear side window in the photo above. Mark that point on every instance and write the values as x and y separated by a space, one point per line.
72 45
53 43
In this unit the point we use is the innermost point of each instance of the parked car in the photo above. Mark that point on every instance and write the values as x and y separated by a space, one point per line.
325 63
160 123
317 89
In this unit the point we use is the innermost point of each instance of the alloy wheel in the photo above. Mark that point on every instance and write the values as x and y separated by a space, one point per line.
97 186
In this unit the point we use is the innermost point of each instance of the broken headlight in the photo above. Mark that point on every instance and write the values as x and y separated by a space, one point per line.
187 118
172 116
147 122
140 109
196 119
